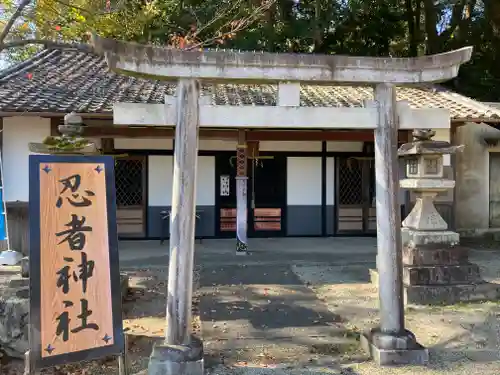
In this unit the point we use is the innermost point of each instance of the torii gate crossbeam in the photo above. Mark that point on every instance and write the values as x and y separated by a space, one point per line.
390 343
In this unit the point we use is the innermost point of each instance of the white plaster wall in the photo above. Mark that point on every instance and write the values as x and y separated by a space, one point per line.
341 146
143 143
296 146
17 133
205 187
160 173
303 181
330 181
472 179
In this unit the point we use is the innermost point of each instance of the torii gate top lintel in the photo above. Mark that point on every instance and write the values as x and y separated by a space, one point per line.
228 65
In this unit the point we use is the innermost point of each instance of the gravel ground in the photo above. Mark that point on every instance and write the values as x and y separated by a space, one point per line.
462 339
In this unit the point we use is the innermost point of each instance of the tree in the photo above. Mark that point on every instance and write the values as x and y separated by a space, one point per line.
28 25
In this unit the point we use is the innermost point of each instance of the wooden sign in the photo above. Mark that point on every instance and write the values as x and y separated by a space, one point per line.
75 293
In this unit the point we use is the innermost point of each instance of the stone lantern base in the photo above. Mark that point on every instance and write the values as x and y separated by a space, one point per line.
436 270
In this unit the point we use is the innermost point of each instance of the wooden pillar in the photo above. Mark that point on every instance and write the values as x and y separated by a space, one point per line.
181 353
107 145
388 212
241 195
390 343
182 217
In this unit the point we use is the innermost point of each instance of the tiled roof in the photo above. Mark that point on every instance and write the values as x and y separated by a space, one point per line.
70 80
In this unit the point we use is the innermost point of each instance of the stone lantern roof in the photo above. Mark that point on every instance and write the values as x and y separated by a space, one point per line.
424 145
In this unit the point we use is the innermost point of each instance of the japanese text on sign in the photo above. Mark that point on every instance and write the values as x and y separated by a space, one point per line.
74 259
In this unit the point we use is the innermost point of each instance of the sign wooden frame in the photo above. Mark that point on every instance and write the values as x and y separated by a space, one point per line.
37 358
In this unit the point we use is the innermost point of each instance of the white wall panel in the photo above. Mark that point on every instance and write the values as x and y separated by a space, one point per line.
160 174
17 133
303 181
330 181
161 171
205 188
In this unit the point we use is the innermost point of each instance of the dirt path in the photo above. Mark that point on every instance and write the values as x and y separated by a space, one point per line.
262 315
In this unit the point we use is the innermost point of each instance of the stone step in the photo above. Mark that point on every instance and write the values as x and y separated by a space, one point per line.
434 254
442 274
450 294
446 294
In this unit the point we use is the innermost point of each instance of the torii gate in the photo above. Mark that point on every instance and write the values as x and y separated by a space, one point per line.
390 343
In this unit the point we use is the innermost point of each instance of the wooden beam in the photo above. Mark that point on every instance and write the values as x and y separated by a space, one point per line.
148 132
150 61
275 117
254 135
308 135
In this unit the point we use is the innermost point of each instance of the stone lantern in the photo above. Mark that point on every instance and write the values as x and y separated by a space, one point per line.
70 142
436 269
425 176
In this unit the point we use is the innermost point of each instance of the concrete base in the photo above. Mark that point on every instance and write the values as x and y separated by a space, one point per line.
242 253
397 350
445 294
177 359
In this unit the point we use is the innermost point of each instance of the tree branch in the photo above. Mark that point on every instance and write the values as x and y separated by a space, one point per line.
47 44
13 19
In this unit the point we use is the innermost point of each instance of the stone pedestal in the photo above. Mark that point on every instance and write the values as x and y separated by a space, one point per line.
401 349
167 359
436 270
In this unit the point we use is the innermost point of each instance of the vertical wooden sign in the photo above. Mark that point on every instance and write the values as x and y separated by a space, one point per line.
75 295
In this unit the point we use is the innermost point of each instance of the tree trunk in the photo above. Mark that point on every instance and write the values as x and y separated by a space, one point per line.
318 35
413 20
433 40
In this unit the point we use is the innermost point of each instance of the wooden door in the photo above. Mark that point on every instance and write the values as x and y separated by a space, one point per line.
356 213
130 180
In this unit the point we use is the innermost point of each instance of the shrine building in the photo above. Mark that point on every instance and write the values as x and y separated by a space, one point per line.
301 182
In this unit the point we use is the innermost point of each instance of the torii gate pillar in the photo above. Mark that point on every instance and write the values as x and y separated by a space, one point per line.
390 343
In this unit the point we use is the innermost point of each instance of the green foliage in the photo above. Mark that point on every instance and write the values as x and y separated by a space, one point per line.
355 27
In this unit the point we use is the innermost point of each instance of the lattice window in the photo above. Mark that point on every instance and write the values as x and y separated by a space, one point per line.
129 182
413 166
350 182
